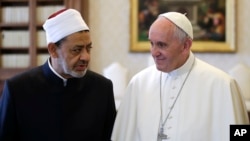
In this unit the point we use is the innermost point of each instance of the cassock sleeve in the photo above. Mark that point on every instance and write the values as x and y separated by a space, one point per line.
8 128
240 113
111 113
125 123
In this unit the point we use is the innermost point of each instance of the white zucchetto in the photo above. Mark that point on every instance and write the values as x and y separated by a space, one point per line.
181 21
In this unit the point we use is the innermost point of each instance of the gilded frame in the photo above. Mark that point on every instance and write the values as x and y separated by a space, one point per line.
226 46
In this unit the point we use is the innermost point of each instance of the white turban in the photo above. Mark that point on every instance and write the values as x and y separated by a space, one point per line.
181 21
62 24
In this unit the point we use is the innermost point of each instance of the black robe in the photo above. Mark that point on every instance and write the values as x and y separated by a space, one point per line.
36 106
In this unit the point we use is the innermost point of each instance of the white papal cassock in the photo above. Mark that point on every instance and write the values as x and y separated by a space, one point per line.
208 103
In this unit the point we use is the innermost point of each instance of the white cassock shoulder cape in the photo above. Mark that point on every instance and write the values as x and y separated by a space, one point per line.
209 102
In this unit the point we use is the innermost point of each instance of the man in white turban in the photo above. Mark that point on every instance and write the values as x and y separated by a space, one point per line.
61 100
180 98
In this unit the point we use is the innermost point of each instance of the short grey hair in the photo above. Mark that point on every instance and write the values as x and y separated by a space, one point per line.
180 34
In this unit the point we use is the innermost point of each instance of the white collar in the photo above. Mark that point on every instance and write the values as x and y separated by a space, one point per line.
182 69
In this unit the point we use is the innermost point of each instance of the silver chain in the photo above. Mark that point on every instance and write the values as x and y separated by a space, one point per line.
172 107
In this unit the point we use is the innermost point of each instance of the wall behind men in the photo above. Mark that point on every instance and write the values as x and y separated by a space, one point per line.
109 23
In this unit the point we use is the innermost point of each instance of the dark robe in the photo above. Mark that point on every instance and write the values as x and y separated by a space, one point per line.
36 106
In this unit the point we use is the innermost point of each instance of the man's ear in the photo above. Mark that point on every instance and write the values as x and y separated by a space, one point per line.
52 50
188 44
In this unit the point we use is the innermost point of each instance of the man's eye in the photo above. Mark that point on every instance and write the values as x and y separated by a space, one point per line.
161 45
76 50
89 48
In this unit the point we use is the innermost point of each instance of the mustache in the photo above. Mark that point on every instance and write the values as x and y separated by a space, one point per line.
82 62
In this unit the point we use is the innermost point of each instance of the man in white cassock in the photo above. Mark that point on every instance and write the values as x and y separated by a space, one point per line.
180 98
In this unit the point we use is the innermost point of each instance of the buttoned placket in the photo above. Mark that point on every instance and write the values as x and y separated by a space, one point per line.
170 95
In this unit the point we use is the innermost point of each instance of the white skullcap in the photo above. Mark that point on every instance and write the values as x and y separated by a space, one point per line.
180 20
63 23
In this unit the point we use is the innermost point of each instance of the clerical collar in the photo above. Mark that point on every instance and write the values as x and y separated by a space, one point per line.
57 74
183 69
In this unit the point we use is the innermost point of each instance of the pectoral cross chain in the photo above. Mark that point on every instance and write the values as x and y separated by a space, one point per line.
161 134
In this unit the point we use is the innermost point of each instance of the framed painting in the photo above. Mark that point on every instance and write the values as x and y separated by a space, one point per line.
213 23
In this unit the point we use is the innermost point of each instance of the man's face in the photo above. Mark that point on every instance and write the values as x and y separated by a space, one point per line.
74 55
168 52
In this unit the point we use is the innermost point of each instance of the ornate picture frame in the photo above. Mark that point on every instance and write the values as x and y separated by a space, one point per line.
201 43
